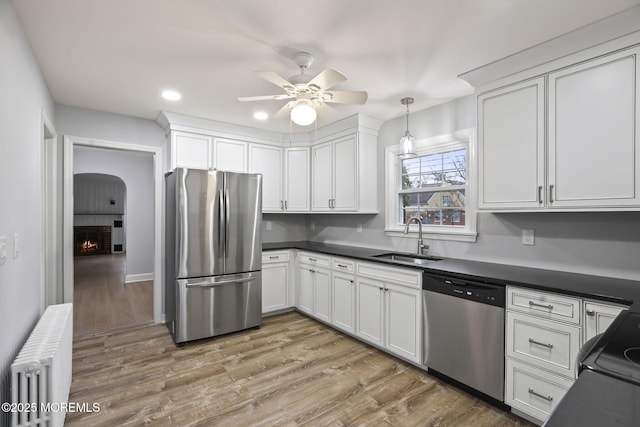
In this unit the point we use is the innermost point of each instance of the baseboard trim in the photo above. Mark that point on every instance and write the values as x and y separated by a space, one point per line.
142 277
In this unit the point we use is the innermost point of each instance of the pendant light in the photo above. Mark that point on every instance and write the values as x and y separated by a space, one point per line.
407 142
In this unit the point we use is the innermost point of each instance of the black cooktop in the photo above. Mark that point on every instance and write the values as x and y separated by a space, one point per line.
617 353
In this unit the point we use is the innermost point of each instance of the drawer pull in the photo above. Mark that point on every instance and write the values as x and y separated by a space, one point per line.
274 257
535 304
312 259
541 396
590 312
532 341
342 266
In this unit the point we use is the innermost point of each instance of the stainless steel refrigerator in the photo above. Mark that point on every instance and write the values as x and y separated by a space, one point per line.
213 279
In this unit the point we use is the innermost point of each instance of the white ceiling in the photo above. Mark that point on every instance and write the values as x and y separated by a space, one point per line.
118 55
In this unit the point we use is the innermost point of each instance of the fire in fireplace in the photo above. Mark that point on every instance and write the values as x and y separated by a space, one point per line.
92 240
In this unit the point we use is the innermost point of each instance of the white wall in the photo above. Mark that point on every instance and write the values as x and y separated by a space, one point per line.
604 243
136 170
24 97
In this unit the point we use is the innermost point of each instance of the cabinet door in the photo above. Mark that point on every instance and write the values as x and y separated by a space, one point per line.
296 186
322 177
268 161
369 311
190 150
305 289
598 317
275 287
230 155
593 123
345 172
403 321
511 146
322 294
344 301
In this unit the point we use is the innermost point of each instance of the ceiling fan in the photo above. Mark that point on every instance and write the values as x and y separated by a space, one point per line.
309 96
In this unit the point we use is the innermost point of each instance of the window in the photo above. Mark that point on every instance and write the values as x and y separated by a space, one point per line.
434 186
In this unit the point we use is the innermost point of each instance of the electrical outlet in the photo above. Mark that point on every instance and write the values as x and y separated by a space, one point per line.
268 224
528 237
359 228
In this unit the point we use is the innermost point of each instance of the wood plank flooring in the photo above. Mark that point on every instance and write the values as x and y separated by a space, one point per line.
293 371
101 299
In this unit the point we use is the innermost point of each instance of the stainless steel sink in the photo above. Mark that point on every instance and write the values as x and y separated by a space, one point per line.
408 258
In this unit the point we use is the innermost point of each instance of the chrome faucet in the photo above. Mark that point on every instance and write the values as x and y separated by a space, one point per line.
421 246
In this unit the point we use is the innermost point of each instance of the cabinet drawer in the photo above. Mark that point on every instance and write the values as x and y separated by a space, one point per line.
533 391
342 264
272 257
400 276
544 343
543 304
315 259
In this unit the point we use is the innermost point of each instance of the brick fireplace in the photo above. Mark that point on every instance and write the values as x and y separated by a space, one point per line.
91 240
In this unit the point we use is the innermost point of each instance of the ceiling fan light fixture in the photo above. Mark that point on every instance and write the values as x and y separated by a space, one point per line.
407 142
303 113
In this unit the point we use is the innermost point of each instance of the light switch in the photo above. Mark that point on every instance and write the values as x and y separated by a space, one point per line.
268 224
16 245
3 250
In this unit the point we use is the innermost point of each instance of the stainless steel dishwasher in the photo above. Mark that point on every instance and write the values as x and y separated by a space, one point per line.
464 332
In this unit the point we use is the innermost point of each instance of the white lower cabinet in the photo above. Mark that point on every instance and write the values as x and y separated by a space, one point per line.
322 294
313 285
533 391
275 281
389 310
343 295
598 317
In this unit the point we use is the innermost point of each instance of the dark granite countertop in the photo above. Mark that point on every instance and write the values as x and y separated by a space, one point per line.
613 290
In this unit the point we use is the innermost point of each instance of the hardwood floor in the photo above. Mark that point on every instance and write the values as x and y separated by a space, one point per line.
101 299
293 371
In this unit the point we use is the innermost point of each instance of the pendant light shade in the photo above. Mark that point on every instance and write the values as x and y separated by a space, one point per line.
407 142
303 114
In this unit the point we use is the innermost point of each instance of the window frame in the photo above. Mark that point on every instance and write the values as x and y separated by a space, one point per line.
464 138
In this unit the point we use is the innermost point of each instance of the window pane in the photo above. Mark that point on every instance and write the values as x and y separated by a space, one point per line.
454 164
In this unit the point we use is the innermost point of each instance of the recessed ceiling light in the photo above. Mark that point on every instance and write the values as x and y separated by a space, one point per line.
260 115
171 95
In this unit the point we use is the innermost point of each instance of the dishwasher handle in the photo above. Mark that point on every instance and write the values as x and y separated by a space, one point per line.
480 292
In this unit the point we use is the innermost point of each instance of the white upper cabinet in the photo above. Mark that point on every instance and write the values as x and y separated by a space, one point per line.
511 146
332 169
229 155
588 158
296 187
594 115
267 160
343 177
190 150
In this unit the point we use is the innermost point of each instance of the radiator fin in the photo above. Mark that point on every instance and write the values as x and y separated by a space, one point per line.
41 373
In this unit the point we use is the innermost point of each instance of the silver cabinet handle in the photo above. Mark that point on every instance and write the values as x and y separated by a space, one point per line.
281 205
312 259
351 281
590 312
286 205
535 304
381 288
551 193
541 396
532 341
312 270
329 202
341 265
540 194
274 257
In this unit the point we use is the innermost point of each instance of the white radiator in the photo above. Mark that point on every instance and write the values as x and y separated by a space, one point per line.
41 373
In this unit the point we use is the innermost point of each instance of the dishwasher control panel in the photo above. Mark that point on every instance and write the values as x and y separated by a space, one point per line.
485 293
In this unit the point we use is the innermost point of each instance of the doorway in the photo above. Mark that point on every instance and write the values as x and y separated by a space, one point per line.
154 219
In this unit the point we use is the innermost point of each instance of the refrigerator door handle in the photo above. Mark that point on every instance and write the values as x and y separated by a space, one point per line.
222 225
227 215
209 283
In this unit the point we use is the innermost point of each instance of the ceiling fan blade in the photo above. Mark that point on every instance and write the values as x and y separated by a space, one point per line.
345 97
264 97
284 111
326 79
274 78
325 111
